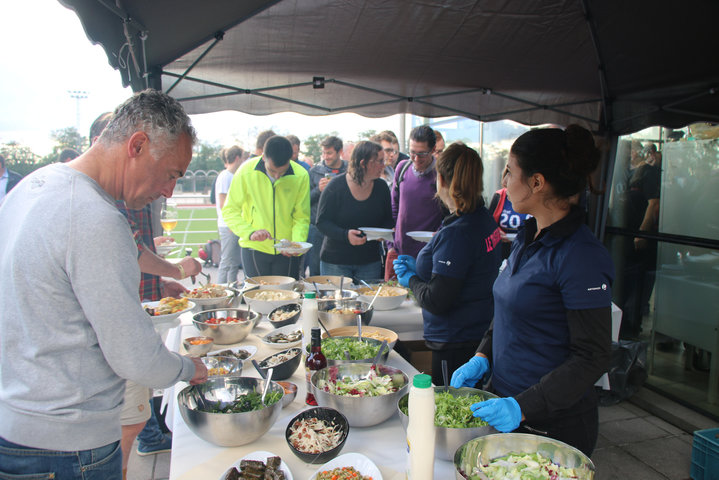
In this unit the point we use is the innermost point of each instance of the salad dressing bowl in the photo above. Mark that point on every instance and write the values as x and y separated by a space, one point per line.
365 410
448 439
481 451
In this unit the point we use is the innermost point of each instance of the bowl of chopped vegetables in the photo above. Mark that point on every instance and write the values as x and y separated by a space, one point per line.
454 423
219 366
285 315
284 363
505 455
228 411
317 435
366 394
210 296
363 351
377 333
198 346
342 313
167 309
226 325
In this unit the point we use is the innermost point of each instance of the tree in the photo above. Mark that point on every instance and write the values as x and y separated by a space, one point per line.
312 147
366 135
206 156
20 158
67 137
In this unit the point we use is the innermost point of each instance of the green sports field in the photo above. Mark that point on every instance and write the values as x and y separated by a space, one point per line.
195 226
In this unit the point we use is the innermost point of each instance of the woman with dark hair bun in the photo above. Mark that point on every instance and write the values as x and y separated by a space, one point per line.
550 340
453 275
358 198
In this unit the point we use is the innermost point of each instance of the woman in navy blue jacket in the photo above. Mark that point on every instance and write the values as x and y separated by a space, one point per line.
551 336
453 275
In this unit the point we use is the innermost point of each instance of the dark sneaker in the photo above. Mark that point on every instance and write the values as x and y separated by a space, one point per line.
161 447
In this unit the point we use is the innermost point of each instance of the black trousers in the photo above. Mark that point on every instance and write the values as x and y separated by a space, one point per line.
257 263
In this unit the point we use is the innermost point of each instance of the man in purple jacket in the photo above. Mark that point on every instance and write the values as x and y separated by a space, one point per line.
414 205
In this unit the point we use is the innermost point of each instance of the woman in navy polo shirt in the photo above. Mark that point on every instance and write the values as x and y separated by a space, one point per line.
551 336
453 275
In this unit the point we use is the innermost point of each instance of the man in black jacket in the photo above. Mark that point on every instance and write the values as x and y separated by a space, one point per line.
8 179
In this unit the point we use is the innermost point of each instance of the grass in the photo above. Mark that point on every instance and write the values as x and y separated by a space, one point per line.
195 226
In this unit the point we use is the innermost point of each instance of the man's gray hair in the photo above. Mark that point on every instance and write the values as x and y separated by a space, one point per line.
157 114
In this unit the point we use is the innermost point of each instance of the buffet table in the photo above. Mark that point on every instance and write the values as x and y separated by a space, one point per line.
193 458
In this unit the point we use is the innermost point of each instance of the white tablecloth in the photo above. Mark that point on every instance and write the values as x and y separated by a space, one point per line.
193 458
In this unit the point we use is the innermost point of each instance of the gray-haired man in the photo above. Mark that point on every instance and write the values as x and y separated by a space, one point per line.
63 369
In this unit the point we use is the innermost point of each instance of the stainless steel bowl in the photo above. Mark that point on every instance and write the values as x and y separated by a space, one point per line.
335 320
448 440
228 429
481 451
226 333
233 366
360 411
198 349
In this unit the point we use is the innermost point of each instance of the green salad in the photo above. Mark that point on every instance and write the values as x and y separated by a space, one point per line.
525 466
373 385
334 348
245 403
453 412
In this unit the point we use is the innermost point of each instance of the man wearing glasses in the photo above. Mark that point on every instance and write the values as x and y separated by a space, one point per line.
414 203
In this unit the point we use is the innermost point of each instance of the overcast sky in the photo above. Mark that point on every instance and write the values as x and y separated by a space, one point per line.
46 55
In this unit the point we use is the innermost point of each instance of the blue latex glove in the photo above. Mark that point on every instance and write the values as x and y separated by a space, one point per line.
503 414
409 261
400 268
470 373
403 278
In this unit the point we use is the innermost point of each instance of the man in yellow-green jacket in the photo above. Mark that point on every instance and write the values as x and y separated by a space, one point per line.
269 200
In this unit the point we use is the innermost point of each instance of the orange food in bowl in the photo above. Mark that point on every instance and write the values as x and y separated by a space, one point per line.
200 341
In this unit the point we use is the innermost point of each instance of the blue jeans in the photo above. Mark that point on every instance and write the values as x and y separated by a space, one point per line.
367 272
231 256
151 434
312 258
26 463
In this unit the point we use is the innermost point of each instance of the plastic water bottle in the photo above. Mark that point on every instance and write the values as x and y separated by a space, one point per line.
420 430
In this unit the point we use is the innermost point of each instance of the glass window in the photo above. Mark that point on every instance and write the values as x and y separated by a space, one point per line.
666 184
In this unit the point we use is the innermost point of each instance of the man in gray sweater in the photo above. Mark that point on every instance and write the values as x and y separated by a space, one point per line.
72 326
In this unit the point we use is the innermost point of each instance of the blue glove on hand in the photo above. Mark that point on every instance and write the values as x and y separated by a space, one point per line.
400 268
503 414
470 373
403 278
409 261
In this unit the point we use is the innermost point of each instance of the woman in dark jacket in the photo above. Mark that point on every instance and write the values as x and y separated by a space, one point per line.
358 198
551 336
453 275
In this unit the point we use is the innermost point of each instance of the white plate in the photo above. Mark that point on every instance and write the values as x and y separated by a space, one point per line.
360 462
262 456
282 346
304 248
374 233
168 317
421 236
251 349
